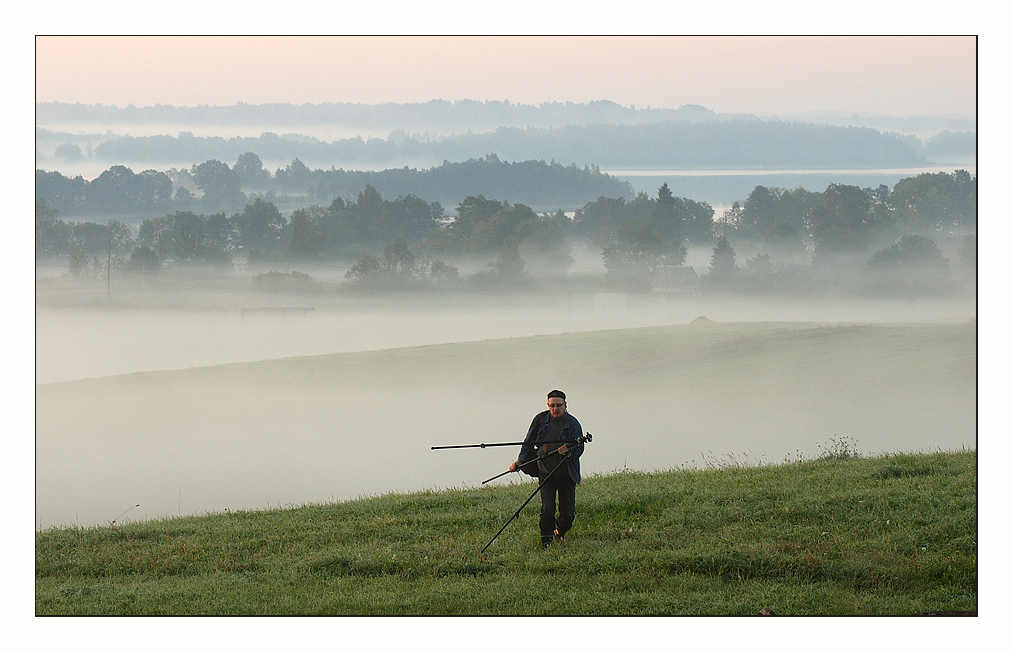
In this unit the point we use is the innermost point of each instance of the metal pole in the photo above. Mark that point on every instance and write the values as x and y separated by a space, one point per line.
509 471
511 443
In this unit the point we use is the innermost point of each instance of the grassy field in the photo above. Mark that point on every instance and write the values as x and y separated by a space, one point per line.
842 534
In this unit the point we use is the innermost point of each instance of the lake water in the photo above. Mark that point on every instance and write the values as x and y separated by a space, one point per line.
724 187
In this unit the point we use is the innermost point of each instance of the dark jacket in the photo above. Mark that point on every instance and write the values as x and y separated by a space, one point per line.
571 432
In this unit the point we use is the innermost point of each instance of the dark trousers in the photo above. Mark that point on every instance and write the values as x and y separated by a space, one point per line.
562 484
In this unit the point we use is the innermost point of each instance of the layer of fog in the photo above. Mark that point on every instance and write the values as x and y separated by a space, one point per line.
95 342
218 439
202 448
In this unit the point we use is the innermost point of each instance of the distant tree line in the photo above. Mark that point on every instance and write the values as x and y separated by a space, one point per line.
433 114
215 186
801 239
682 143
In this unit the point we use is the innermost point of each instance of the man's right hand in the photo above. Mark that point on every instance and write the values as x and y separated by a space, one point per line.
513 466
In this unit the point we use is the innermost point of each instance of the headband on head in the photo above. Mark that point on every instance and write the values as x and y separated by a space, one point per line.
557 394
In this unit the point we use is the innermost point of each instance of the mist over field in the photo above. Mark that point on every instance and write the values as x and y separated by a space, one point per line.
90 342
188 402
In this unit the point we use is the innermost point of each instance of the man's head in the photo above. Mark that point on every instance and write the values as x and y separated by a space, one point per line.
556 403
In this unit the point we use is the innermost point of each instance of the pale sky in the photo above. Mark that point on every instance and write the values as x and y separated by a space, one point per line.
898 76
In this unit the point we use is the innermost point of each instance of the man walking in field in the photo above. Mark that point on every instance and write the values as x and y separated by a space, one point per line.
556 476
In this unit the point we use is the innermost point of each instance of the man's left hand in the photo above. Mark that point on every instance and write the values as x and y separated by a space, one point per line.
563 450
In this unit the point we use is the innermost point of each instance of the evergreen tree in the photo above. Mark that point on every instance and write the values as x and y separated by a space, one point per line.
722 267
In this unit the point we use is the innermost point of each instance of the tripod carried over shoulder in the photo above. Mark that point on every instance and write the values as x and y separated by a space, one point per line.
569 453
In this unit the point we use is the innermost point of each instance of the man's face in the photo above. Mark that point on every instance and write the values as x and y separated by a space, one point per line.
556 407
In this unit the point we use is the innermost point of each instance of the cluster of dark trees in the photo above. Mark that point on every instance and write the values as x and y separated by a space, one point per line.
875 240
259 231
404 241
844 218
215 186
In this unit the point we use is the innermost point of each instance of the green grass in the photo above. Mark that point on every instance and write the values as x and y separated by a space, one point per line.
838 535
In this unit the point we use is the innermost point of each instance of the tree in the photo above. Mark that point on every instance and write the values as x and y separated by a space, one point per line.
546 246
96 239
929 203
220 185
473 211
399 260
631 260
250 171
60 192
509 266
260 227
515 222
759 212
186 234
732 218
603 215
144 259
698 221
760 265
841 224
364 268
722 265
914 266
184 199
784 242
765 207
307 240
912 252
69 152
369 203
52 236
666 219
441 274
296 177
411 218
560 218
118 190
187 237
506 271
77 264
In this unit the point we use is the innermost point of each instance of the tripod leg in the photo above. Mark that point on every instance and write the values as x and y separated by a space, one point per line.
525 503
